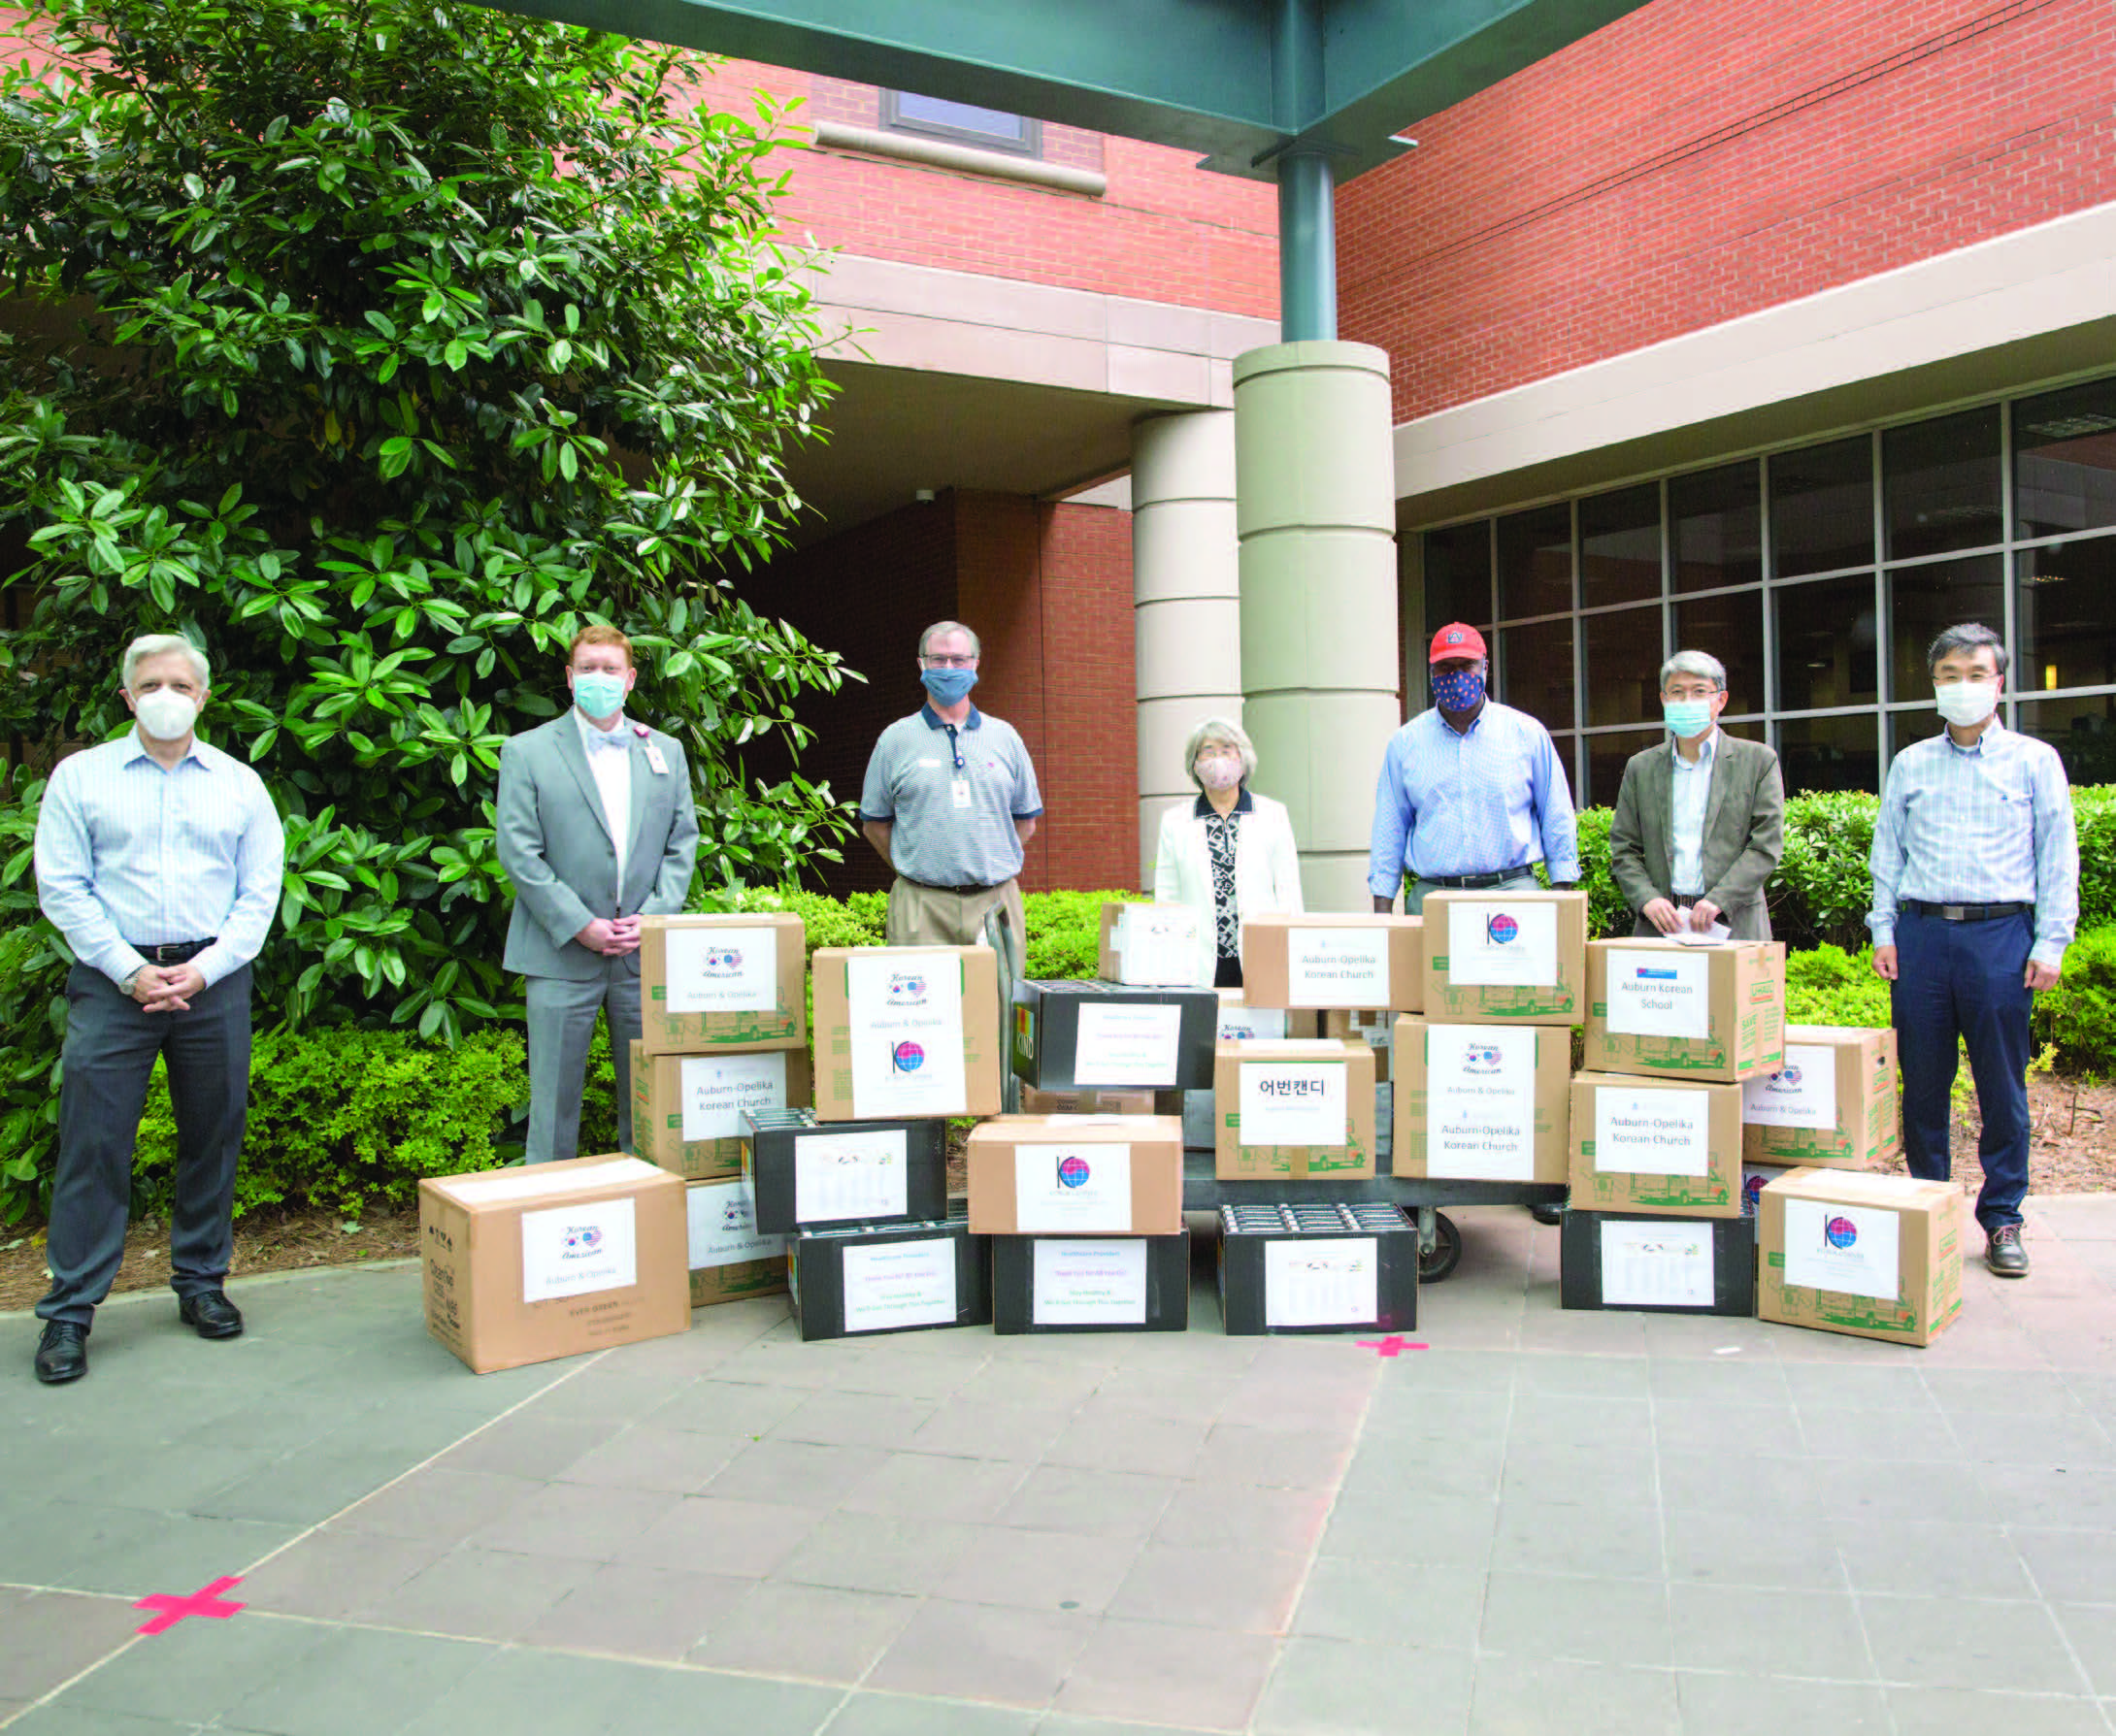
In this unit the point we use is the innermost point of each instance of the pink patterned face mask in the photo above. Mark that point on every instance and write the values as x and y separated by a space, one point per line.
1218 771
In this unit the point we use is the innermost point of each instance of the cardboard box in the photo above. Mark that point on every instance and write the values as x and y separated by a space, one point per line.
1151 945
1657 1265
907 1032
730 1259
1239 1018
1505 958
1693 1012
1831 1105
723 982
1755 1178
1321 1267
863 1280
1071 1034
1504 1097
687 1110
1870 1255
801 1174
550 1260
1321 961
1108 1100
1377 1029
1656 1145
1299 1108
1091 1284
1076 1175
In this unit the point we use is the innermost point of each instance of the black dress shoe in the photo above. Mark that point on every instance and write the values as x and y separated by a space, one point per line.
210 1314
2004 1252
62 1353
1548 1214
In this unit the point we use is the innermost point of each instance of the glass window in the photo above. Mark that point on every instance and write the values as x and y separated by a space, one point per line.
1731 629
1749 729
1622 665
2065 616
905 112
2065 461
1830 753
1536 562
1825 644
2083 731
1822 506
1457 575
1717 526
1940 480
1620 546
1535 671
1915 724
1606 757
1923 601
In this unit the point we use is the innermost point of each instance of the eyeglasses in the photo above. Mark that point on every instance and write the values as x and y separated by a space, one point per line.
944 661
1687 693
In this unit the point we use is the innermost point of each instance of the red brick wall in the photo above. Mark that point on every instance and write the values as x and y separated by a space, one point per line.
1702 159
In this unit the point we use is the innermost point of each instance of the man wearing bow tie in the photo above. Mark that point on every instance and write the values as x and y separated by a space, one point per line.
597 828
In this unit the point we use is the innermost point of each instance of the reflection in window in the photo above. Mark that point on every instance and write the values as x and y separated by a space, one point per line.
2065 461
2083 731
1606 757
1731 629
1622 665
1620 546
1941 484
2065 615
1830 753
1924 602
1822 506
1825 644
994 129
1535 671
1536 562
1457 575
1716 525
1916 724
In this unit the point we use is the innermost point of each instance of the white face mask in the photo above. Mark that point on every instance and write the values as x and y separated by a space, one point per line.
165 714
1966 702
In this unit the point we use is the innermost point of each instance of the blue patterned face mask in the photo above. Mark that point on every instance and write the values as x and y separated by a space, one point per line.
1459 690
949 686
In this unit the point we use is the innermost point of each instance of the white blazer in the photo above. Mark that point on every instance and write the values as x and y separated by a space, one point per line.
1267 870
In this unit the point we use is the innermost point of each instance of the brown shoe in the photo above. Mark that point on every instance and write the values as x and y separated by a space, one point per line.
2004 1252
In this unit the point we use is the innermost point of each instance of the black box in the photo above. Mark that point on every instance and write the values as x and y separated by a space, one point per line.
905 1278
865 1157
1321 1266
1155 1052
1657 1265
1154 1268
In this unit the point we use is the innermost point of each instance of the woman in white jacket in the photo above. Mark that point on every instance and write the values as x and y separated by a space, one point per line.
1228 855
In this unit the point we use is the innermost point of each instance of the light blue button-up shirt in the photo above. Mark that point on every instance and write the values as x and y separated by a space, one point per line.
129 855
1688 794
1984 825
1490 799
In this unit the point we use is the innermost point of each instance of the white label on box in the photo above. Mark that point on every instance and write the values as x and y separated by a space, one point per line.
721 971
1853 1250
899 1284
1089 1284
718 1089
1293 1102
1337 968
1655 1265
576 1250
1259 1023
1321 1281
1157 945
838 1176
1653 1132
1480 1102
723 1227
1660 994
1122 1044
1502 943
906 1016
1077 1190
1803 1094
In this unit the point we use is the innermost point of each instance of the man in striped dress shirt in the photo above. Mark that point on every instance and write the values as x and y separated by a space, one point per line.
1976 868
159 858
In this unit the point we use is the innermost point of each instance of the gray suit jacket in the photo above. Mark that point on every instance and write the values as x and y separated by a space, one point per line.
1745 832
555 845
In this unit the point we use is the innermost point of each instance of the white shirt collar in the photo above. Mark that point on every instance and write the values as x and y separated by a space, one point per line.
1705 749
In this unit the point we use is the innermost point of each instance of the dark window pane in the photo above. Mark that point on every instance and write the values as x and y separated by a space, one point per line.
1606 757
1910 726
1457 575
1941 481
1715 522
1830 753
1826 640
2065 460
1731 629
908 112
1620 546
1622 665
1749 729
2064 623
1822 506
1536 562
1923 601
2083 731
1535 671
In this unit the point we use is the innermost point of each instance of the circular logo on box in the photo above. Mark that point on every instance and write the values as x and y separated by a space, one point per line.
1501 928
1787 1080
723 960
1072 1172
1841 1233
585 1238
907 1057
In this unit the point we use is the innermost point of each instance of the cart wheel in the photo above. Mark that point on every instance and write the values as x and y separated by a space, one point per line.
1446 1252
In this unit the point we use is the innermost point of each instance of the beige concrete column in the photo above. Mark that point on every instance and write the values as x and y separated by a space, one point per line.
1315 515
1187 600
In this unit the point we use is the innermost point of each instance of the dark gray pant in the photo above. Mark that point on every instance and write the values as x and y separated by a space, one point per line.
561 1026
110 1046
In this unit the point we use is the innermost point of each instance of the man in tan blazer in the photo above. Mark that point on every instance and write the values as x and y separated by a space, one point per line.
1699 822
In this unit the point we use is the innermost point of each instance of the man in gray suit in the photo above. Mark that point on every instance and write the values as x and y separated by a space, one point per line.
1699 822
597 828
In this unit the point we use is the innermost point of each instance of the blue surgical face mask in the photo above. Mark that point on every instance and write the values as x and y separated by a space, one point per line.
1687 717
948 687
1458 691
596 694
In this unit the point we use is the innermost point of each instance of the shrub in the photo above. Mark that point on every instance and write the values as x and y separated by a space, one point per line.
1830 986
1065 930
2079 1015
1608 917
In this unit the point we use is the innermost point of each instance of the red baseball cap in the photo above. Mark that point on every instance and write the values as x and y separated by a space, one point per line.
1456 641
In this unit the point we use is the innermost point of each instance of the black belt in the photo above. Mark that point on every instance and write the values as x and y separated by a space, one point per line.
1476 882
174 952
962 892
1963 912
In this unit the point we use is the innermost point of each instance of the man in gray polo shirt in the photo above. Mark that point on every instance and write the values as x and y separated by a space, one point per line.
950 800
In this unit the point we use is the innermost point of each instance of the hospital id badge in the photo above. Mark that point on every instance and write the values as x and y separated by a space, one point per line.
960 788
654 758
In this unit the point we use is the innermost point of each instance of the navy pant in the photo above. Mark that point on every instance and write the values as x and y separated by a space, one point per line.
1964 979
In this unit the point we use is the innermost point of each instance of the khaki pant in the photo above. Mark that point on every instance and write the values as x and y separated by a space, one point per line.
926 916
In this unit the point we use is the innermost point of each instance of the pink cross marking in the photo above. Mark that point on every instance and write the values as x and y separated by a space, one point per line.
1391 1346
206 1601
